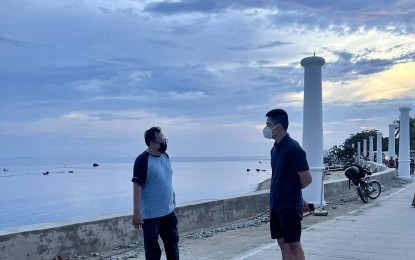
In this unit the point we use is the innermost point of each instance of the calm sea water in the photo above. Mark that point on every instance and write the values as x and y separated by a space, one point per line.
77 191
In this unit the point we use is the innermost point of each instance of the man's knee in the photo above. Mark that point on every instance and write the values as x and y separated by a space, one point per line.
295 246
280 242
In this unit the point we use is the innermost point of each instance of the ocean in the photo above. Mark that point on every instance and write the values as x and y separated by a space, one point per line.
75 191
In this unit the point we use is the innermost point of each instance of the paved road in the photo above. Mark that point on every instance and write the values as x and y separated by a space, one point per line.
383 229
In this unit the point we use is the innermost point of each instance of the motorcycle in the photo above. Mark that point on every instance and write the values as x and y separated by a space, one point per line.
366 187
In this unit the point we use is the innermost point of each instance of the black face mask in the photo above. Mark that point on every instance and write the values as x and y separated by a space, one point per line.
163 147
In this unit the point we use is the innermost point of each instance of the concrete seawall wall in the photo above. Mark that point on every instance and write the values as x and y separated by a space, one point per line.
103 234
46 242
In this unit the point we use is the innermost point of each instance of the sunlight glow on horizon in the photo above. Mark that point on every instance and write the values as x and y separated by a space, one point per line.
390 84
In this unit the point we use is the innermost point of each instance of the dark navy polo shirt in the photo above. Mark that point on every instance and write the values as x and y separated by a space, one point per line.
287 159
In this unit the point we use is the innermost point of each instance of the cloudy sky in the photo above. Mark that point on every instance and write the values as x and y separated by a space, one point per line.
87 77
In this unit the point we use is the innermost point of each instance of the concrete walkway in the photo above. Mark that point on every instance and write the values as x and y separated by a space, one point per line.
383 229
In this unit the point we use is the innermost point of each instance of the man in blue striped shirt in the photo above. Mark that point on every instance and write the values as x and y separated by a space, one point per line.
154 197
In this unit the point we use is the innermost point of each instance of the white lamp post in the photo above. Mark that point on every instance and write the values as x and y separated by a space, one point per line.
313 126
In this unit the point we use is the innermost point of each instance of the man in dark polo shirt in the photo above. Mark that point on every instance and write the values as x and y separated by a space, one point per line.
290 174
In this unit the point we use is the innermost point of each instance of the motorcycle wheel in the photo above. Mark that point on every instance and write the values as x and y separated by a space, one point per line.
362 194
375 189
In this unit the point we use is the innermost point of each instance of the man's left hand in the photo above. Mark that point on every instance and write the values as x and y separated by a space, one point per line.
306 207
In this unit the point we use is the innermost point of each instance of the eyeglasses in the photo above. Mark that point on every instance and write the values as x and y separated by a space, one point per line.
272 127
164 140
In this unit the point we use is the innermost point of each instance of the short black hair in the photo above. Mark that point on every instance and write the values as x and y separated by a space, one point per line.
150 134
278 116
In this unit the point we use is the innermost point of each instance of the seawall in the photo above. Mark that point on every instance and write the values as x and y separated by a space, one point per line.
46 242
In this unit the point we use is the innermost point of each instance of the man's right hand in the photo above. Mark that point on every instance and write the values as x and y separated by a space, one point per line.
137 219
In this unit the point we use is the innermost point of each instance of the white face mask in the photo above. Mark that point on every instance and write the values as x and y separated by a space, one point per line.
267 131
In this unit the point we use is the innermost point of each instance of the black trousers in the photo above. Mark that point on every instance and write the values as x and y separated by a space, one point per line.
166 228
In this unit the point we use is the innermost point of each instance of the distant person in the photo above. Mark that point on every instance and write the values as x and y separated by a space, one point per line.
154 197
290 174
391 162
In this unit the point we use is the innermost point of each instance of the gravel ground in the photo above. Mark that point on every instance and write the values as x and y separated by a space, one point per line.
203 243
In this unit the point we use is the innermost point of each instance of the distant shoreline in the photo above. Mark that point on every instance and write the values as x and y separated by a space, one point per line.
264 185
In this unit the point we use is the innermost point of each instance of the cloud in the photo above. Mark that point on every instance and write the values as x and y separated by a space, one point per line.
386 85
204 6
349 66
371 66
385 14
345 17
75 69
12 42
23 43
357 120
102 124
259 46
80 116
